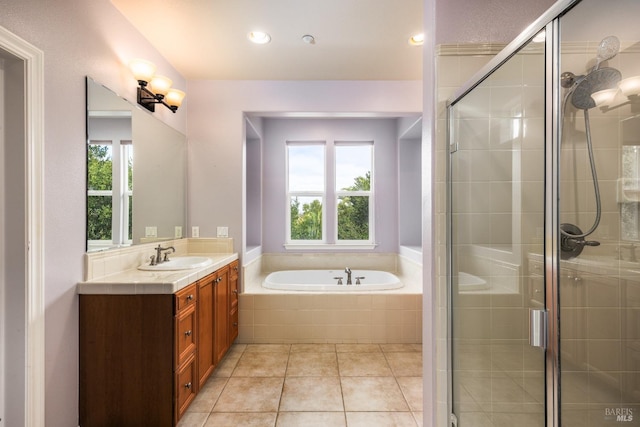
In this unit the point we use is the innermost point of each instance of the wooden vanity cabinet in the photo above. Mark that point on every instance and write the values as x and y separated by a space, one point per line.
135 356
144 357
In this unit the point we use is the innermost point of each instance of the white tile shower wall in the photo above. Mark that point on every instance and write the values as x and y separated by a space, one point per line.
105 263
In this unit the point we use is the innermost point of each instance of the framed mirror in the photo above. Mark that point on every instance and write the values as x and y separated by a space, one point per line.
136 174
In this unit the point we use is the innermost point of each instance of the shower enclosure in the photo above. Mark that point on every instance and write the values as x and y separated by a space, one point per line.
544 225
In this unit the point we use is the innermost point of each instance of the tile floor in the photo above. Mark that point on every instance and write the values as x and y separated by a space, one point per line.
312 385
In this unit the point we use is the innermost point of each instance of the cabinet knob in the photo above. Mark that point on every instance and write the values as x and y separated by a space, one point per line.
235 323
235 291
235 268
187 333
189 297
187 385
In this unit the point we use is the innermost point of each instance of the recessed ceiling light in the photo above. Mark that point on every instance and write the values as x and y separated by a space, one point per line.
259 37
417 39
309 39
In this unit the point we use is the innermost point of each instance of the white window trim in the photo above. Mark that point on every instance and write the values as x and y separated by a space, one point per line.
120 198
330 170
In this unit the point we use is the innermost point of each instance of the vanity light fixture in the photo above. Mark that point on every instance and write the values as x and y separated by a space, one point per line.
417 39
604 98
630 86
154 89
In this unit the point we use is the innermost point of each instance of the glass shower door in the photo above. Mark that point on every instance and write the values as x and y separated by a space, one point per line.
497 230
599 280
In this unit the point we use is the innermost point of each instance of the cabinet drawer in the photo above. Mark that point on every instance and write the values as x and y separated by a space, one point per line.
185 386
185 297
185 334
233 326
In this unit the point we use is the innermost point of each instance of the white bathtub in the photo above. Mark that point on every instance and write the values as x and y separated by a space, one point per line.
468 282
326 281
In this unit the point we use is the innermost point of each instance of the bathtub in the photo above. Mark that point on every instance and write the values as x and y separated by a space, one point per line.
468 282
326 281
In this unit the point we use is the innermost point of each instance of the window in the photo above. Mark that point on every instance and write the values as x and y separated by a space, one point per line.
306 188
329 193
353 190
109 193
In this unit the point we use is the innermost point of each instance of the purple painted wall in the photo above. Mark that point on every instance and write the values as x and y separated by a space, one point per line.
78 38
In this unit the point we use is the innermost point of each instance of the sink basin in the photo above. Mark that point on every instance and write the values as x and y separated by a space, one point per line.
179 263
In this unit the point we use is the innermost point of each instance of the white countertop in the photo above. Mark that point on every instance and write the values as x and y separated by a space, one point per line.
136 282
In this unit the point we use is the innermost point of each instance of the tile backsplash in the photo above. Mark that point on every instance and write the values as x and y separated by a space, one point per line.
101 264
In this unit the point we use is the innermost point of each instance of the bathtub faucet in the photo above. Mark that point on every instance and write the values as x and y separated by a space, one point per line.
348 271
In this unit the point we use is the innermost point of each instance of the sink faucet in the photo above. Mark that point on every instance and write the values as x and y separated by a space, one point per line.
348 271
159 251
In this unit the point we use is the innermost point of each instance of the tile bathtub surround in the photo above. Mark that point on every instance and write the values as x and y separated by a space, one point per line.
320 384
330 318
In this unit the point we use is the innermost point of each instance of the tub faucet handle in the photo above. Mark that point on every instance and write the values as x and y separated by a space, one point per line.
339 279
358 280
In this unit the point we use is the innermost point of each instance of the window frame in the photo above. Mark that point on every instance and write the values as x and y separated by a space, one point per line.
330 199
120 193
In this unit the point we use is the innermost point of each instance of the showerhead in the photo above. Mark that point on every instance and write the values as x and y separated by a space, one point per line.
607 49
601 79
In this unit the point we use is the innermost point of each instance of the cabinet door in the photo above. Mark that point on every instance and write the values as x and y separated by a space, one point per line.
221 313
185 386
206 356
233 301
185 334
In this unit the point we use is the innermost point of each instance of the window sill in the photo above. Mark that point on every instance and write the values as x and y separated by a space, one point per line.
329 246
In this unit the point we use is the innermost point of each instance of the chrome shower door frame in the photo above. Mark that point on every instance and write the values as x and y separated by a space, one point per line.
550 22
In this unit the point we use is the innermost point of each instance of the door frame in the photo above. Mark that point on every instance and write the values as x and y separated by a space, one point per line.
34 366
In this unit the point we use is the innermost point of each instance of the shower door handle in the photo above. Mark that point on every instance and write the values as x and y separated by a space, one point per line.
538 321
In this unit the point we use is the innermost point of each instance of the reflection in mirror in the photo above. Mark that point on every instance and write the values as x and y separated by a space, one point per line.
136 174
629 184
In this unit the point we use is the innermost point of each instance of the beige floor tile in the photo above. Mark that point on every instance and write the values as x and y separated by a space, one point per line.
311 419
257 419
391 348
312 364
236 349
250 395
380 419
226 366
411 388
405 364
363 365
268 348
261 365
193 419
372 394
311 394
208 395
357 348
313 348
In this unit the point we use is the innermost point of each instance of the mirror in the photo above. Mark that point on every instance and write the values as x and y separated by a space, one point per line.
136 174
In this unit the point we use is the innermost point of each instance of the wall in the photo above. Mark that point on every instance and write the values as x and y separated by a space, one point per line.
216 137
78 38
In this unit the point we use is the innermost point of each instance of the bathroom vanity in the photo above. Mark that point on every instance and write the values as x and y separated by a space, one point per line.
150 339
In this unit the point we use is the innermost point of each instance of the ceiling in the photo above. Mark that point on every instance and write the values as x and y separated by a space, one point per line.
354 39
